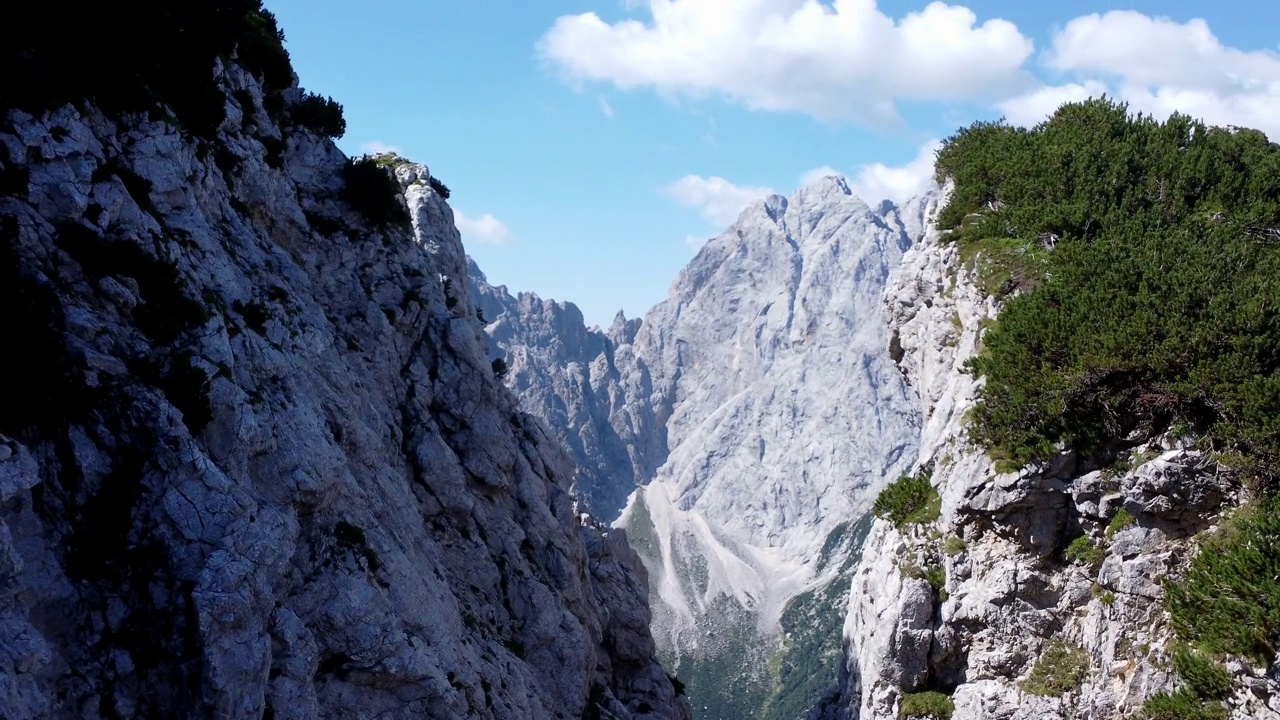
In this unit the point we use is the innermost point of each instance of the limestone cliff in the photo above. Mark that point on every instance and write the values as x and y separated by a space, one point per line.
254 461
760 410
1008 608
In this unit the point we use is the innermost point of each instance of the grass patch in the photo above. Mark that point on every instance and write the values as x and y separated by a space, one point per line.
909 500
1181 705
929 705
953 545
1061 669
1004 265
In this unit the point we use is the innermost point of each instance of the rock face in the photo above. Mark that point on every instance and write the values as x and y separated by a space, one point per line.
1011 598
254 461
759 409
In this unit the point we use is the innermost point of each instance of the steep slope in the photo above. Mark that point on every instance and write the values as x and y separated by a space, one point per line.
253 458
1043 591
567 375
761 412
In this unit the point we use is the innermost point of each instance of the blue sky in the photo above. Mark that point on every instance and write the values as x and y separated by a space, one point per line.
591 144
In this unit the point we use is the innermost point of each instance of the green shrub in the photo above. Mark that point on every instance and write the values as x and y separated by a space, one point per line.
374 193
1083 551
1061 669
1121 520
1229 600
1181 705
139 56
911 499
1142 253
441 189
319 114
929 705
1204 678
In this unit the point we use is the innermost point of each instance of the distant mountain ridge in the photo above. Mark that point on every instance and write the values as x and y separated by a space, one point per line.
747 422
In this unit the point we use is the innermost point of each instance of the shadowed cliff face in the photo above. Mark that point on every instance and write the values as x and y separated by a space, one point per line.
253 458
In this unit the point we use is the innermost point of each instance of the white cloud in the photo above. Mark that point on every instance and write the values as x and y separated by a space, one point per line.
695 241
607 109
377 147
719 200
817 174
485 229
877 181
1158 66
1033 107
843 60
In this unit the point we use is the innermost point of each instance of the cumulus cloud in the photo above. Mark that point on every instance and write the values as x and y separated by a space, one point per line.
843 60
1037 105
817 174
719 200
607 109
876 181
377 147
1158 66
485 229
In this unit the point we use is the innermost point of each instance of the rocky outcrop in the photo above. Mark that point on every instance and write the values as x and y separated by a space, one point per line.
1010 598
571 377
758 409
254 461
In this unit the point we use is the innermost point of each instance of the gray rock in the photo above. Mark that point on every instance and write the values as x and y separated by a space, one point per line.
352 518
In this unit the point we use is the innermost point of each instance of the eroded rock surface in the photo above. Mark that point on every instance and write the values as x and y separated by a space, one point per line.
266 469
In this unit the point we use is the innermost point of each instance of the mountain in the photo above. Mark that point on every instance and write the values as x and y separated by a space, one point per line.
254 461
1125 568
751 418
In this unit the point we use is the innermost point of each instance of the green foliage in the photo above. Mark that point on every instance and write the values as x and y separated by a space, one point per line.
1147 255
1181 705
374 193
1205 678
911 499
953 545
441 189
930 705
1061 669
1083 551
1004 264
1121 520
139 56
1229 600
322 115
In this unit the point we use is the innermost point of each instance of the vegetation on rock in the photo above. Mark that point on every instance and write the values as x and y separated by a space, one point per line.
1229 600
911 499
1140 260
1061 669
929 705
